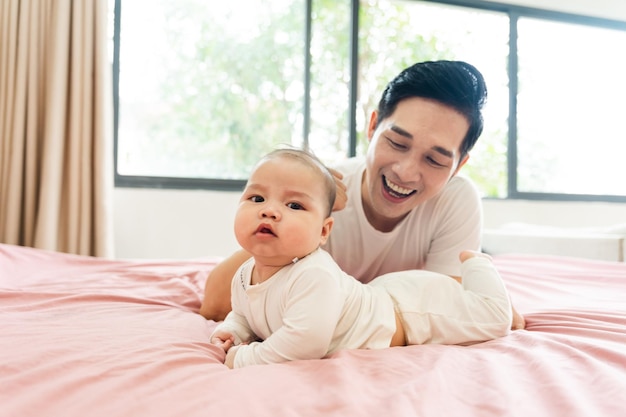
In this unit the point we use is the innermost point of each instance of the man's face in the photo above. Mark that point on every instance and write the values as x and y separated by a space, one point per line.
412 154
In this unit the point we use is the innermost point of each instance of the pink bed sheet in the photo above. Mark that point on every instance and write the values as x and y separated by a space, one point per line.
85 336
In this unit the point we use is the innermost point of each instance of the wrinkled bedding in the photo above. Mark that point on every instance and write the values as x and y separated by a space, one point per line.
84 336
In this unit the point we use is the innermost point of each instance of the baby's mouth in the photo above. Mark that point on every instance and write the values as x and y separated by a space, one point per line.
265 229
395 190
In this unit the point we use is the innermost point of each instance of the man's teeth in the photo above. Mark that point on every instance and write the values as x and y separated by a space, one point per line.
397 188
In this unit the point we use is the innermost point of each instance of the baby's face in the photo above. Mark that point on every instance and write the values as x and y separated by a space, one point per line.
282 212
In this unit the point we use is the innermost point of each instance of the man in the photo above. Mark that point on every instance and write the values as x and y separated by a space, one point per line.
403 207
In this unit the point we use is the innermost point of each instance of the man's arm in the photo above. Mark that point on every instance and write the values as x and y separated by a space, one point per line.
216 302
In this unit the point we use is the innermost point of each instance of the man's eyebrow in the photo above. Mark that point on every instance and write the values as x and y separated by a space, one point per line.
401 131
445 152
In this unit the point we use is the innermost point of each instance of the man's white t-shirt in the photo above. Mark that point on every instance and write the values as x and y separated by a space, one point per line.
430 237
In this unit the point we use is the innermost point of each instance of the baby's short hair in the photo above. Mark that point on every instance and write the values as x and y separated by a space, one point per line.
312 161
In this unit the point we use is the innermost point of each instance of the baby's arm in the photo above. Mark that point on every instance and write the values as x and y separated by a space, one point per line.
306 330
234 330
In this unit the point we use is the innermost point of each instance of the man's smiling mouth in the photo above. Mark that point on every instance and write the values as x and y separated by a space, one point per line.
395 190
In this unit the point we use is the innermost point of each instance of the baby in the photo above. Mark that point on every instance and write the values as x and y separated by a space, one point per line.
291 300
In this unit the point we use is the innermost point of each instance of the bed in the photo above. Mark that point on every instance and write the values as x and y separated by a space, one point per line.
83 336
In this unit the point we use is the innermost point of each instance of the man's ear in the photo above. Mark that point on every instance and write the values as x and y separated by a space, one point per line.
326 228
461 163
371 128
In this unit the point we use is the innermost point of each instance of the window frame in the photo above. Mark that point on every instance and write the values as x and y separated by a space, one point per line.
514 13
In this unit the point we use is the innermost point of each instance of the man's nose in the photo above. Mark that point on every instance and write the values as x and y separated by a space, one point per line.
407 170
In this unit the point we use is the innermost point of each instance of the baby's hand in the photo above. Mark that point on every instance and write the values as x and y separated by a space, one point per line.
223 339
230 357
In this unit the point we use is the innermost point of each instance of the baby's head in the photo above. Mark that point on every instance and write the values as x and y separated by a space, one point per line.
285 210
313 162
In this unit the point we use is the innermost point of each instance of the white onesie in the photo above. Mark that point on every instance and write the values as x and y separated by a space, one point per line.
311 309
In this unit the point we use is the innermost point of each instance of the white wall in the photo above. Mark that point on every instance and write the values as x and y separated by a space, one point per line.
551 213
154 223
150 223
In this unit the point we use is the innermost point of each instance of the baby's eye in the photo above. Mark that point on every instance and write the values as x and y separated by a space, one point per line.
295 206
256 199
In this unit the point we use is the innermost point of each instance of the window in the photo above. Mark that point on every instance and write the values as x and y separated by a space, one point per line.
205 88
571 136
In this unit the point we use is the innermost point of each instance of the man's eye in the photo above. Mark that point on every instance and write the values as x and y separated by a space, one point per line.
396 145
434 162
295 206
257 199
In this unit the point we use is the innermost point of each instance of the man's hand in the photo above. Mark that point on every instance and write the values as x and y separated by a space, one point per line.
341 197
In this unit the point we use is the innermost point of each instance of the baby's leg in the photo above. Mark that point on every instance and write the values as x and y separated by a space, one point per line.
518 319
484 302
436 309
467 254
480 277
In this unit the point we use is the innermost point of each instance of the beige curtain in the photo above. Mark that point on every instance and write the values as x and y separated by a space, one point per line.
55 126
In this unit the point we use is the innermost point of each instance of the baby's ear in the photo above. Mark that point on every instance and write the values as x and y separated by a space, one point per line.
326 228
